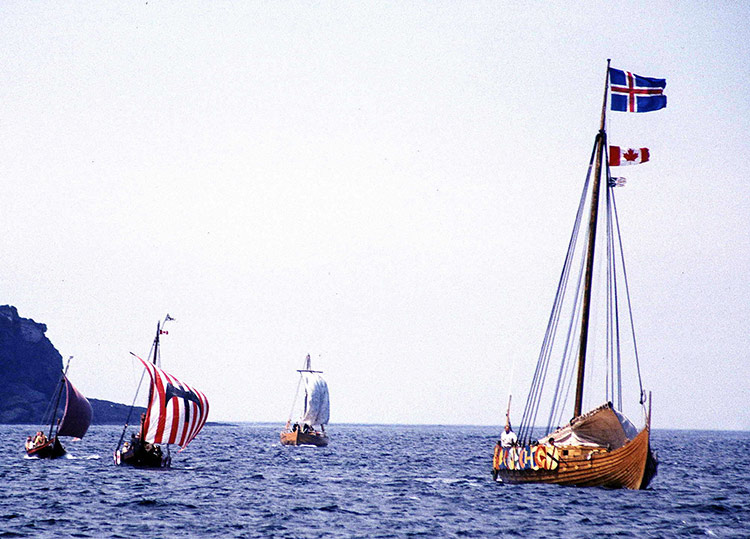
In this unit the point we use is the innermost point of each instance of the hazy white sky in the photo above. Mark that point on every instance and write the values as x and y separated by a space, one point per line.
388 187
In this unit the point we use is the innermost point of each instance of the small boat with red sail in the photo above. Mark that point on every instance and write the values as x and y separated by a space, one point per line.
315 410
74 421
175 415
600 447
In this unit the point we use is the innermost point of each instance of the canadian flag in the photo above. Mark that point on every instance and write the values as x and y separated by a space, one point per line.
627 156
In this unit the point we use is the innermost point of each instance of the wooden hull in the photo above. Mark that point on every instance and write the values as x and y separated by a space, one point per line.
304 438
141 457
631 466
51 450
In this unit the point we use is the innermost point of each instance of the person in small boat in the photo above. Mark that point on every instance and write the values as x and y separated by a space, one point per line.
295 427
40 439
136 442
29 443
306 428
508 438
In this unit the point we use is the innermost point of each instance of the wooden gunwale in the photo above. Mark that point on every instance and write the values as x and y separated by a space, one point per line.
304 438
624 467
51 450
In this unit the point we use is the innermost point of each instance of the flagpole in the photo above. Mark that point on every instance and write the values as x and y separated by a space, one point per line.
601 140
604 104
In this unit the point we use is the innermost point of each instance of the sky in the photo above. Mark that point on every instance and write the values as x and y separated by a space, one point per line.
389 187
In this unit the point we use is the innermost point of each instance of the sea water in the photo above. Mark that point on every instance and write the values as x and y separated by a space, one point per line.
371 481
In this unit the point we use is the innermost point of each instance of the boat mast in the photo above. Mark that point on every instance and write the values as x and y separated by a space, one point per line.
156 342
57 401
601 139
307 368
151 386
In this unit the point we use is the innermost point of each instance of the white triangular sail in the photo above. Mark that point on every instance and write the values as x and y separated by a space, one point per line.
316 393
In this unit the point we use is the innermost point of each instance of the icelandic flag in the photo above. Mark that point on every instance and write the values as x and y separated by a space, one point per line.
633 93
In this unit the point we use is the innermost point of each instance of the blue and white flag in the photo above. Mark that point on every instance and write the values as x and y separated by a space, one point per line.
633 93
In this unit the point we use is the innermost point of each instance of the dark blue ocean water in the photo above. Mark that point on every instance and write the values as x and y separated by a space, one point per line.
372 481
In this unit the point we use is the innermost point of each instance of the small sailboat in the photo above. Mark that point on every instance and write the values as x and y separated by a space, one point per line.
600 447
74 422
175 415
315 411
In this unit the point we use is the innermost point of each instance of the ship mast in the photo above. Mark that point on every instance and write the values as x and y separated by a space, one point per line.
156 355
601 140
156 342
57 402
307 367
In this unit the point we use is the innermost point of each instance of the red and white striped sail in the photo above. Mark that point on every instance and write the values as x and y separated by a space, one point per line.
176 411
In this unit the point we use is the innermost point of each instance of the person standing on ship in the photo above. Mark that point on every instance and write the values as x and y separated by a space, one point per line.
508 438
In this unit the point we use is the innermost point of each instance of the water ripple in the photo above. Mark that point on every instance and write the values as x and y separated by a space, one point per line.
415 482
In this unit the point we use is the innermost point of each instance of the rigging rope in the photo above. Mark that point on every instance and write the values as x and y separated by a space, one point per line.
531 408
47 417
130 412
630 306
616 241
614 349
615 268
296 393
140 382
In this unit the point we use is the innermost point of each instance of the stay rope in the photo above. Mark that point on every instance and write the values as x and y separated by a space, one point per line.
138 389
535 392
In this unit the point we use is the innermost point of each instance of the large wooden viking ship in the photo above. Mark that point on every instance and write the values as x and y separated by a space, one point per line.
600 447
74 421
315 411
175 415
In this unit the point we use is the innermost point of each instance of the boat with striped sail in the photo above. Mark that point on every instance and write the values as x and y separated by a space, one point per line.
175 415
600 447
315 410
74 421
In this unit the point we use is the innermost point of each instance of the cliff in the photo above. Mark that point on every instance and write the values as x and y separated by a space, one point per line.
30 368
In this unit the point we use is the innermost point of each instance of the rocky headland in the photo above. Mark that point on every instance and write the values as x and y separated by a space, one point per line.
30 368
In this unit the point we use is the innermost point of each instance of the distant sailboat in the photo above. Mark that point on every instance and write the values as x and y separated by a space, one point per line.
175 415
315 411
74 421
600 447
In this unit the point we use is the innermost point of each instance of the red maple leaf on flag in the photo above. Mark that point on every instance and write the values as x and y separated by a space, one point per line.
630 155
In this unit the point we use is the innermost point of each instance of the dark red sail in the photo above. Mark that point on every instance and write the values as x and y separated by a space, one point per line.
77 417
